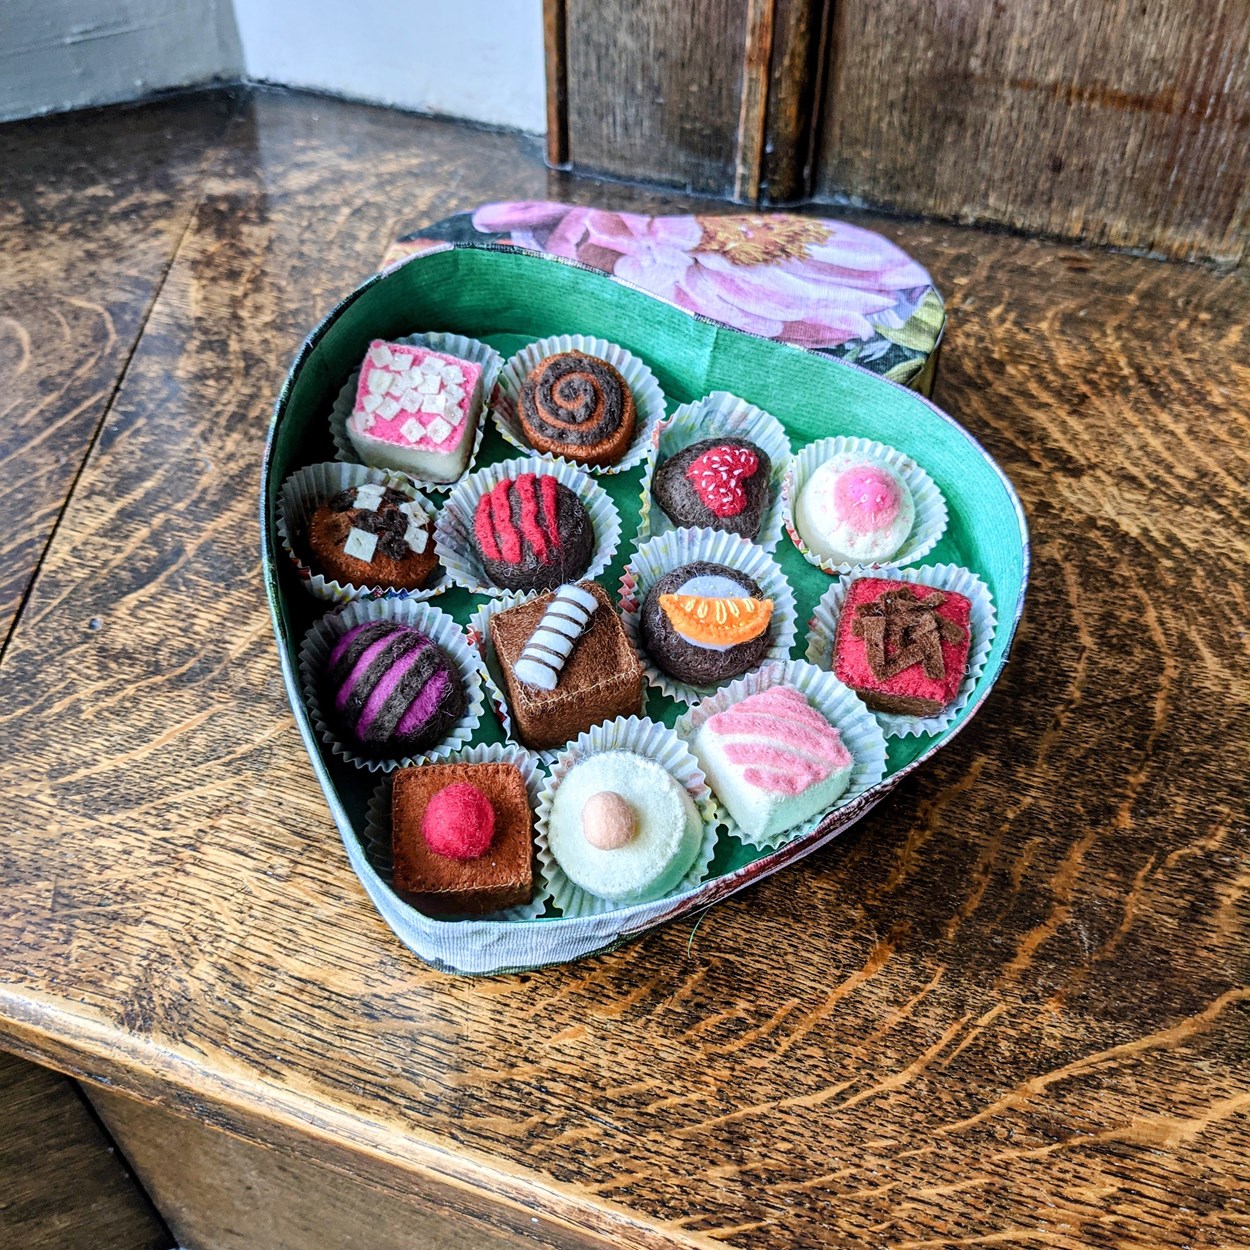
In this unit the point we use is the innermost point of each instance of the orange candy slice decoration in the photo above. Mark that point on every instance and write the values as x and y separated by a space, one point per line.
717 622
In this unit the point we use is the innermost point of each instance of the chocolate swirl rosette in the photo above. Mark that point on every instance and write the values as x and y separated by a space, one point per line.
582 400
579 407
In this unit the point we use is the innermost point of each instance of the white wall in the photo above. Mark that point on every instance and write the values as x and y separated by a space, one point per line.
480 59
60 54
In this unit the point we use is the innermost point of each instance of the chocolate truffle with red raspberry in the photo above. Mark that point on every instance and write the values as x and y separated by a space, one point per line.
719 483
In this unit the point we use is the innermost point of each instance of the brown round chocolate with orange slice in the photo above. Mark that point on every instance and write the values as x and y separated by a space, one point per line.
705 623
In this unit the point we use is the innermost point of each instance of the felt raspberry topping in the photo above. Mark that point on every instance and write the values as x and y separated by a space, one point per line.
717 478
459 822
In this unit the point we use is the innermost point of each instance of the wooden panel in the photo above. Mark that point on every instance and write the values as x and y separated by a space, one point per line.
1008 1008
796 76
556 65
1126 122
88 230
716 96
62 1184
654 89
219 1192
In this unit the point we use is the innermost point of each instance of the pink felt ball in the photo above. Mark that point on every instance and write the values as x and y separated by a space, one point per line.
867 498
459 822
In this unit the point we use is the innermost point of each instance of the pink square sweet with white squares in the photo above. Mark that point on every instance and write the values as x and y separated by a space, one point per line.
416 410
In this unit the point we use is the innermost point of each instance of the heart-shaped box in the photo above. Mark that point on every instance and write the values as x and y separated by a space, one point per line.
508 297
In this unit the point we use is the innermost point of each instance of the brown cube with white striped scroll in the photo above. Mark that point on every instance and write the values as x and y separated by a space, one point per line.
567 664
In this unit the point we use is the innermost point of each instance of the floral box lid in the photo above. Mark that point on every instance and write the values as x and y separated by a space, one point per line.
818 283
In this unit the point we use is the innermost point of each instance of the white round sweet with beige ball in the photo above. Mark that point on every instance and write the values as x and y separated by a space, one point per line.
586 828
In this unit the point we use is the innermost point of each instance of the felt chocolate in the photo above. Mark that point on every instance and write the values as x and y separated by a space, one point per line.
417 410
391 690
548 648
578 407
719 483
902 646
773 760
461 837
372 536
532 533
692 654
855 510
597 681
624 828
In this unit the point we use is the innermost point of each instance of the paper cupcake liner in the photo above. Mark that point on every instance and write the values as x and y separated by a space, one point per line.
719 414
375 838
824 628
656 742
926 530
453 527
659 555
437 341
492 671
431 621
648 398
837 703
305 490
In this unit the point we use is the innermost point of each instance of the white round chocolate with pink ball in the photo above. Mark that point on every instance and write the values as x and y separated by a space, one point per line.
854 510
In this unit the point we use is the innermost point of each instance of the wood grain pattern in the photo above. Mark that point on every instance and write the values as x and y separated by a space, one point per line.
1009 1007
89 231
654 89
62 1184
555 59
1125 122
757 56
220 1192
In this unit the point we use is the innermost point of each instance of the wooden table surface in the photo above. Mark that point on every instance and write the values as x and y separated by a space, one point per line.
1009 1006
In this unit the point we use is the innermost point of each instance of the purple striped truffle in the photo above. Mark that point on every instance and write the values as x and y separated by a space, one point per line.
393 691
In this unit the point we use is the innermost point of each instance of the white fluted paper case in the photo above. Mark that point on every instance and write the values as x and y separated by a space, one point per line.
492 670
930 521
375 837
436 341
824 628
719 415
660 555
837 703
431 621
648 397
306 490
656 742
453 527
